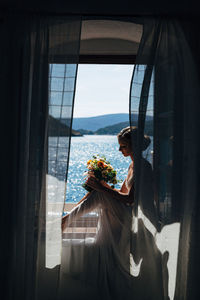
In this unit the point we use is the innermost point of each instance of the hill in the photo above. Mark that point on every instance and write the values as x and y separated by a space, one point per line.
56 128
95 123
116 128
113 129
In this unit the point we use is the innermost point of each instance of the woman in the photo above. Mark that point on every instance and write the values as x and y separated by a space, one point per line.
109 257
127 139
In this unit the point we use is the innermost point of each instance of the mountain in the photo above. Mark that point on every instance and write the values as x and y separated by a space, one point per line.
116 128
57 128
113 129
84 131
94 123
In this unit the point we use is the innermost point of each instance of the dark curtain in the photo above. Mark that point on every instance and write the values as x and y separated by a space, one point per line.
24 90
29 45
165 89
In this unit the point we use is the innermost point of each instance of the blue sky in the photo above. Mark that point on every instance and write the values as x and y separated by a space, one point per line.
102 89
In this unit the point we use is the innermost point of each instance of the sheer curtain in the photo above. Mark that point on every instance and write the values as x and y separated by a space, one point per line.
64 41
32 46
64 51
165 81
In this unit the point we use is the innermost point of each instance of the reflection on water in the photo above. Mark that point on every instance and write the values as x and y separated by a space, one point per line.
82 149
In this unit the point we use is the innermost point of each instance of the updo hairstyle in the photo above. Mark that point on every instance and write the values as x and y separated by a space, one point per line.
129 135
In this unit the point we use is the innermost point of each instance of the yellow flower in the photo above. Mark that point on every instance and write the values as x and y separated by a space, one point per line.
89 161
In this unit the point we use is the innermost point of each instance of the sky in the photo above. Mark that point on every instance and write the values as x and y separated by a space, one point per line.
102 89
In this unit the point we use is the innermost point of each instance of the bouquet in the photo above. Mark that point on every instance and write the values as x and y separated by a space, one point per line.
101 170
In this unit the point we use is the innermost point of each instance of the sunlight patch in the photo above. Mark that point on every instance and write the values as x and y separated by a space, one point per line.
135 268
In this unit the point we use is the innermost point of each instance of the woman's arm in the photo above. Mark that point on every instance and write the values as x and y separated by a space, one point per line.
125 197
124 188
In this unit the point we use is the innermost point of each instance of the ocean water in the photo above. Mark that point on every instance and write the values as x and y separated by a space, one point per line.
82 149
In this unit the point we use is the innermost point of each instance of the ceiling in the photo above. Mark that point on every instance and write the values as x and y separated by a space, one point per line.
108 37
102 41
105 7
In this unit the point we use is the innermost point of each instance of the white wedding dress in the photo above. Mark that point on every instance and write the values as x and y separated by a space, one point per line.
105 266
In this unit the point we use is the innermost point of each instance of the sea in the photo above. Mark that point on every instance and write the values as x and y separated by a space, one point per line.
82 149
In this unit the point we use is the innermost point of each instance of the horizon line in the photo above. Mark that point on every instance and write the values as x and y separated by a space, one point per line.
123 113
107 115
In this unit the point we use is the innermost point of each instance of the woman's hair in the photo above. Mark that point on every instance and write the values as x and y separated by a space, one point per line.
129 135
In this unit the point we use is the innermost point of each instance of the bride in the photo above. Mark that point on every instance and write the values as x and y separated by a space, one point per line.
107 262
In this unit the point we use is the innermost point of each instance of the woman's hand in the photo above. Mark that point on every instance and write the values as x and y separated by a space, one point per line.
94 184
105 184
